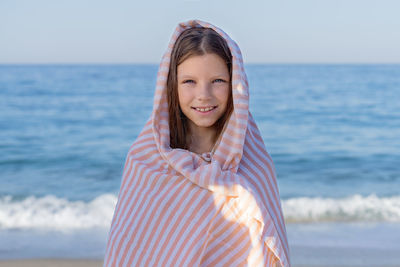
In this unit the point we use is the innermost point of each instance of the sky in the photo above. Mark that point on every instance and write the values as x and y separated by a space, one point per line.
121 31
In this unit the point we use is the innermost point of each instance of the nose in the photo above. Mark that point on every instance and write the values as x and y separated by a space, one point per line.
204 91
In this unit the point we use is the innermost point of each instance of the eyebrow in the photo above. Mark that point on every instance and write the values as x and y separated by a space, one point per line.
190 76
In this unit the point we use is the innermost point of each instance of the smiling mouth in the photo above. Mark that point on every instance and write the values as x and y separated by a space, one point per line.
204 109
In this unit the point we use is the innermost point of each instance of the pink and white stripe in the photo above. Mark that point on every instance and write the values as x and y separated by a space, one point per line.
176 209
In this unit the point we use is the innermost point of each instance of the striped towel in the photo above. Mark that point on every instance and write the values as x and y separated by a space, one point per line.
177 209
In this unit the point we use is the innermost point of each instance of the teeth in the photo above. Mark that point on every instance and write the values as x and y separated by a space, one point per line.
204 109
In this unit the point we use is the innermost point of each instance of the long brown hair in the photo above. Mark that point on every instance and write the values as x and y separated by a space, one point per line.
196 41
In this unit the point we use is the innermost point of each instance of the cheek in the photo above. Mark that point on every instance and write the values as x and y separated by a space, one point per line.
183 96
222 94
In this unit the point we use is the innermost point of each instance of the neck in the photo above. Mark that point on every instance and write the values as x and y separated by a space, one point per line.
202 139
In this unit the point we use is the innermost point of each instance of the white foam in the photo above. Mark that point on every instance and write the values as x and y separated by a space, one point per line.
351 209
53 213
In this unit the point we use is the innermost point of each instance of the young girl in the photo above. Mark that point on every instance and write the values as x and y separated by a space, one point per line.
198 187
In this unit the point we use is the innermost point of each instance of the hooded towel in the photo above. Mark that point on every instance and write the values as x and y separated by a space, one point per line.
178 208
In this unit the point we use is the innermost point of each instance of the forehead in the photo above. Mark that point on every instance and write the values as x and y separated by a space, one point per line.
204 65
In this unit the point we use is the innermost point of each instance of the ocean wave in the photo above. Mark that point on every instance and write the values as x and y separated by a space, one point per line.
53 213
50 212
355 208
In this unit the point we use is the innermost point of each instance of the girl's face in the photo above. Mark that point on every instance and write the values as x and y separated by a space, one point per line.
203 89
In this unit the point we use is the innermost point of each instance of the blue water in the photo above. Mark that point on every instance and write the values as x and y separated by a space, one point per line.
65 130
332 131
336 127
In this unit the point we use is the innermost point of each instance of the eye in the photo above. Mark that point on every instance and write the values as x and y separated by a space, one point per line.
219 80
188 81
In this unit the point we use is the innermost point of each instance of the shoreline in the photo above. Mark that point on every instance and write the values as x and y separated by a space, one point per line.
54 262
51 262
311 245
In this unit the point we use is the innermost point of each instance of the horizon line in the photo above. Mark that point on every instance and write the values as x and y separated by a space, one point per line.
157 63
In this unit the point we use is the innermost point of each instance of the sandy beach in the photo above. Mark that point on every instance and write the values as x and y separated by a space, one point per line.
51 263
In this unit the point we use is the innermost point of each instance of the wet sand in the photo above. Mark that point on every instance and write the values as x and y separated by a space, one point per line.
51 263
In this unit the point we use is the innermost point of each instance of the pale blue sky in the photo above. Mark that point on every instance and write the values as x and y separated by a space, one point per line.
121 31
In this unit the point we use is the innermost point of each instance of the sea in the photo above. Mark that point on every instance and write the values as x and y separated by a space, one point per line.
332 130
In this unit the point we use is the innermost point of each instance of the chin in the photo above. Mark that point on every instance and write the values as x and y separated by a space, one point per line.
205 124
